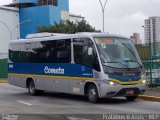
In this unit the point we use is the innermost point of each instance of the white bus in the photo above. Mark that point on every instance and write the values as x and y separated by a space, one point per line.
96 65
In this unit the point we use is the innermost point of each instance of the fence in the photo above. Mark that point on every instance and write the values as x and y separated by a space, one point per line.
150 56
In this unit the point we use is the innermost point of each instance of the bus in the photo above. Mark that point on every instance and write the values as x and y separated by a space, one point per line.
96 65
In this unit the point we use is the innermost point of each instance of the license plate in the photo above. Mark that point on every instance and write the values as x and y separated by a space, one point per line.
129 92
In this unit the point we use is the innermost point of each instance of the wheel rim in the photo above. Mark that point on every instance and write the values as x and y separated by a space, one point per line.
92 94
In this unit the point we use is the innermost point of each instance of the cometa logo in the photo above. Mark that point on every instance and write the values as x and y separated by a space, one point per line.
53 70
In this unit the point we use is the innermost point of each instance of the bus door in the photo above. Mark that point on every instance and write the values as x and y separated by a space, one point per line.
84 58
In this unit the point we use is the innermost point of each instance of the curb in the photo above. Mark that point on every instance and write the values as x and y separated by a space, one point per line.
149 98
3 81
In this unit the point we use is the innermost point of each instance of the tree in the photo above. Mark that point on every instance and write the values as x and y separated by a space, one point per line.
68 27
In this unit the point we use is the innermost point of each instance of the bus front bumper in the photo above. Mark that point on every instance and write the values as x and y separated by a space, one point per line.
121 90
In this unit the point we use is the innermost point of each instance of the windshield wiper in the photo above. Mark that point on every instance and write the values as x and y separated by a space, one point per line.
120 63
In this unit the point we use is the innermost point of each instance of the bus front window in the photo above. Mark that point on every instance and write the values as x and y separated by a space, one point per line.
118 53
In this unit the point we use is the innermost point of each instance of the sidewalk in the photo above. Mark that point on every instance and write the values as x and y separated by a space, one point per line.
3 81
151 94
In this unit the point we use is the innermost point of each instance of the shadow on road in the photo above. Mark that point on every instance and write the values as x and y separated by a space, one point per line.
76 98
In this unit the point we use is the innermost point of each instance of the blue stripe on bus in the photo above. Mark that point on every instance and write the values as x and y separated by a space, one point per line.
74 70
124 79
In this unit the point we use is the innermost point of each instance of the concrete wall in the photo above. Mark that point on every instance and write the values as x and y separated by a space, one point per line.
9 19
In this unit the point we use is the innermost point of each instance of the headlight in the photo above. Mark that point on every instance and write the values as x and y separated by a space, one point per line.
111 83
143 81
143 73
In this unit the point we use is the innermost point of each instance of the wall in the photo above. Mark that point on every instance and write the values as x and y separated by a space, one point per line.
38 15
9 18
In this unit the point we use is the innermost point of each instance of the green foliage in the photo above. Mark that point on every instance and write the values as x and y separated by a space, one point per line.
68 27
3 68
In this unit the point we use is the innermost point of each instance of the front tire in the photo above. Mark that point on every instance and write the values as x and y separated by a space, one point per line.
32 89
131 98
92 94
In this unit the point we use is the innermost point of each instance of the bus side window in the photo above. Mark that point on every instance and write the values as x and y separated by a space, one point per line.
26 52
63 50
78 51
90 60
14 54
81 56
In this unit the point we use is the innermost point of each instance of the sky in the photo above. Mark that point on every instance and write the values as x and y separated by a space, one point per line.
123 17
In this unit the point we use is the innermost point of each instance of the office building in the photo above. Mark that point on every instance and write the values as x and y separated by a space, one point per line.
135 38
152 33
152 29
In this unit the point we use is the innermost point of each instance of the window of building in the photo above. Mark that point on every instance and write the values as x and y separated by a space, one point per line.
48 2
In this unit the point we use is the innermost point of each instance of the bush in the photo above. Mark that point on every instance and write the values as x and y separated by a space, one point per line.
3 68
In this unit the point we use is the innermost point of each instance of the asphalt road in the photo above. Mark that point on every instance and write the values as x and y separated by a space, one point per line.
17 101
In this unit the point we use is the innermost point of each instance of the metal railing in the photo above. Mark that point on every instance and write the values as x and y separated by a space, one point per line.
150 56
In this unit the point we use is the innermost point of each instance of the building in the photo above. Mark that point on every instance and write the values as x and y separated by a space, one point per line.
152 33
9 26
9 29
152 29
75 18
40 13
135 38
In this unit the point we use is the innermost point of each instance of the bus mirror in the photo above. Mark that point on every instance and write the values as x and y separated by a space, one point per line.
90 51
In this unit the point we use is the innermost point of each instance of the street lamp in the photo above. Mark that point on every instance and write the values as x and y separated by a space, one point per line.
103 9
26 21
11 30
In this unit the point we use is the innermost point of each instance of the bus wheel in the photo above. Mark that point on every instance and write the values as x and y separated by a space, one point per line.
131 98
92 94
31 88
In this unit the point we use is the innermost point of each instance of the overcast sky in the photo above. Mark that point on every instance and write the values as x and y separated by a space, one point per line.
121 16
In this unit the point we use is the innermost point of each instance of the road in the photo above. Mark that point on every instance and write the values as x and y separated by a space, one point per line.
15 100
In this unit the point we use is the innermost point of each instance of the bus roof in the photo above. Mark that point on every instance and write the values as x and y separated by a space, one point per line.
55 36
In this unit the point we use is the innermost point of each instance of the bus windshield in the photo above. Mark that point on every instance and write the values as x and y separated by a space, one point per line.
118 53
